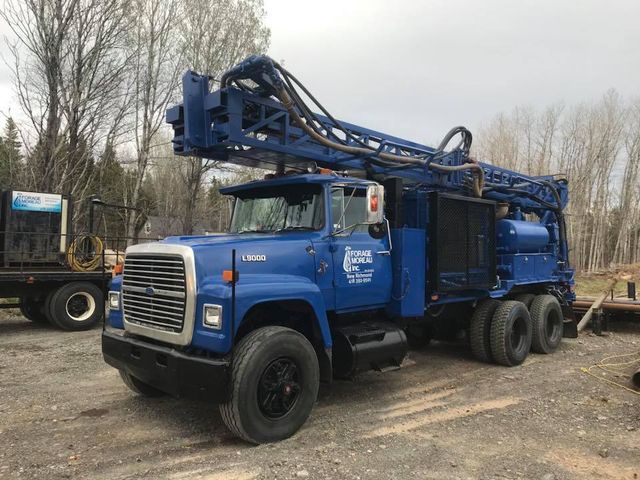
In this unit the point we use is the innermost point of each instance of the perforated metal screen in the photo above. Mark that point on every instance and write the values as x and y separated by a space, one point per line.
462 243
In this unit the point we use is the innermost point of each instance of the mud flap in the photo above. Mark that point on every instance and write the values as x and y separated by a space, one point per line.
570 324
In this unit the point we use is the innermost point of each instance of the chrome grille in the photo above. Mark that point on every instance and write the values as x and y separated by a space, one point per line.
153 291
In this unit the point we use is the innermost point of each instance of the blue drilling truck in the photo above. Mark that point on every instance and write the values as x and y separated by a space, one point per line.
356 246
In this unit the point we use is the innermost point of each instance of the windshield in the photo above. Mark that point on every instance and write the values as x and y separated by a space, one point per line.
287 208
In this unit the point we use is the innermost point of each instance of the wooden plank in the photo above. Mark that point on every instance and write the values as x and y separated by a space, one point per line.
596 304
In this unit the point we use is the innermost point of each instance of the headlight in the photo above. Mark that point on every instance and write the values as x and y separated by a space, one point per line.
114 300
212 316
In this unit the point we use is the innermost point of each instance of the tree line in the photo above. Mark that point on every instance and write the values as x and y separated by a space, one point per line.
93 79
596 146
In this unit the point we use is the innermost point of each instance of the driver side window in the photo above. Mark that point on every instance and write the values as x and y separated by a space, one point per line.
348 208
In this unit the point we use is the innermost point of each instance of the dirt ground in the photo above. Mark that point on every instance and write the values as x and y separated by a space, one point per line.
65 414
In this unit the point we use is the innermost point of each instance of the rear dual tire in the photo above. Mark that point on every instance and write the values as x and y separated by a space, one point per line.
547 324
75 306
500 332
33 309
510 333
480 329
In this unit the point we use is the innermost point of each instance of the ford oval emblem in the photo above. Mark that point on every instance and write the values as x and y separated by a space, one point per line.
150 291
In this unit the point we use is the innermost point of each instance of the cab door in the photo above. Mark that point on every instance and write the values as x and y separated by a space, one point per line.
362 274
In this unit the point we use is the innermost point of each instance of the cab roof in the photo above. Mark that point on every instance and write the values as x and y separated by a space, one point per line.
298 179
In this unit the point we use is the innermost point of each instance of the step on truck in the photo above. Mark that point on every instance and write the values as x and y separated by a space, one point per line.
357 245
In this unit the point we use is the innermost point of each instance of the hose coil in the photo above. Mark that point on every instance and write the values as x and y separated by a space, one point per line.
84 253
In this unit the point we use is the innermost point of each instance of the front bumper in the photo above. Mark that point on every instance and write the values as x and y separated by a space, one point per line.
168 370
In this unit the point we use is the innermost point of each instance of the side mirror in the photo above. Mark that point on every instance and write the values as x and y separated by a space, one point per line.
375 204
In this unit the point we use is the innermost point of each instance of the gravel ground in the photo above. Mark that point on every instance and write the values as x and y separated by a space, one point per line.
65 414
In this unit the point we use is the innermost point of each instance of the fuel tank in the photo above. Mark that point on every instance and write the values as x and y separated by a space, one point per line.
518 236
366 346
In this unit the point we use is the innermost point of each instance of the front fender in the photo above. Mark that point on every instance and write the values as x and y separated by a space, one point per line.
252 290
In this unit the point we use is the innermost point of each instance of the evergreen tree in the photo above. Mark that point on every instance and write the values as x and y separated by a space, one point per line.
10 156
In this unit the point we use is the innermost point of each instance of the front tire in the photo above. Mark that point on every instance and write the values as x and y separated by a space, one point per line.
510 333
274 384
138 386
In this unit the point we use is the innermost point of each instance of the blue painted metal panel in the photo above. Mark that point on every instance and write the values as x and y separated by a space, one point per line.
525 268
252 290
362 276
409 266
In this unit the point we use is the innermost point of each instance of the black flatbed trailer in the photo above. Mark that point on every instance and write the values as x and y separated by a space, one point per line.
31 282
66 287
68 299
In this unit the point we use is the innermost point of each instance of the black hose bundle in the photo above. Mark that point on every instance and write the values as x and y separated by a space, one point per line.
270 76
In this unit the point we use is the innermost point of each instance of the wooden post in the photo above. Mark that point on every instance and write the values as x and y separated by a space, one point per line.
597 304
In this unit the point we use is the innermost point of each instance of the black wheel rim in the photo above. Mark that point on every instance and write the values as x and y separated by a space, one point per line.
518 334
77 306
279 388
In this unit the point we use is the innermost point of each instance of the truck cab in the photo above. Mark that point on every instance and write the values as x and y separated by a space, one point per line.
301 250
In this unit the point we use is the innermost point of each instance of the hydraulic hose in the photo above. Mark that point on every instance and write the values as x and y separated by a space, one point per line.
269 76
289 104
560 214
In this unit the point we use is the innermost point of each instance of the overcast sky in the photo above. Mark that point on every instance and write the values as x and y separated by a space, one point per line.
417 68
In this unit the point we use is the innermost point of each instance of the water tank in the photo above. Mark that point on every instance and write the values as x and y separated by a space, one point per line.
518 236
34 228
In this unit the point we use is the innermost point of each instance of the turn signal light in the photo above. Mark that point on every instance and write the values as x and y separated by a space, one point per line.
227 276
118 268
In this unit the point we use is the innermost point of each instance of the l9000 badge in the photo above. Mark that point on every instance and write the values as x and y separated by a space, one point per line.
254 258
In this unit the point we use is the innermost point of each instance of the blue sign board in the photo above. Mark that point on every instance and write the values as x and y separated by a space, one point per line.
36 202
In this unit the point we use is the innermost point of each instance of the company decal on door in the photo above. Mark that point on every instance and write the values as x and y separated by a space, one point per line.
357 266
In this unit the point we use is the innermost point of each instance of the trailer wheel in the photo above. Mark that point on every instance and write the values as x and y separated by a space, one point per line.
510 333
480 329
547 324
526 298
138 386
274 383
76 306
33 309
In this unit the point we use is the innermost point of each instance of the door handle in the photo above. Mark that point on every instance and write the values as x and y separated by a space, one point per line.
323 267
384 252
